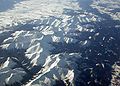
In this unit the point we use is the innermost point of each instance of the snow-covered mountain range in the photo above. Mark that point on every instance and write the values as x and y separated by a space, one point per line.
59 42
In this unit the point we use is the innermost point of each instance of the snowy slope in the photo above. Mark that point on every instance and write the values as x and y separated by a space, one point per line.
59 42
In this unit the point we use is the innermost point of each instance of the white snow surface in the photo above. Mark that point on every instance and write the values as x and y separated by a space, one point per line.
51 26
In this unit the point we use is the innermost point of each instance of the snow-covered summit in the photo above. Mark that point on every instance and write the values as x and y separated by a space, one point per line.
58 42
